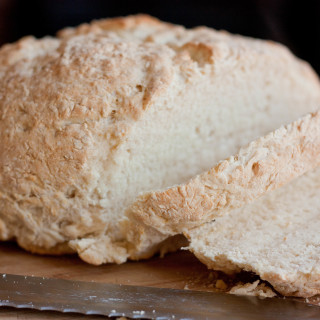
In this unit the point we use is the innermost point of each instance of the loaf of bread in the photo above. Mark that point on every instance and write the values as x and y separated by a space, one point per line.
108 110
276 236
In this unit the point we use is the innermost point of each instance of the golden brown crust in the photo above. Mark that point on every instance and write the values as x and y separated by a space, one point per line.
62 98
114 24
262 166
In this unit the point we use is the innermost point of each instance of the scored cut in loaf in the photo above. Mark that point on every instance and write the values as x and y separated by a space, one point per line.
276 236
109 110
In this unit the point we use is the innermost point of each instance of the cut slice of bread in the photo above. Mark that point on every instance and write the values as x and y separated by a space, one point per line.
263 165
111 109
276 236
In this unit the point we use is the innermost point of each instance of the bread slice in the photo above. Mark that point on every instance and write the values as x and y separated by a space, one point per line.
276 236
262 166
105 111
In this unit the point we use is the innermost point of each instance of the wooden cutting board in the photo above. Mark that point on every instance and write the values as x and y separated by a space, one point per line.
176 270
180 270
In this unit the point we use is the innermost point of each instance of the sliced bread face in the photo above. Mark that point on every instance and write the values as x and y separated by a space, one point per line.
262 166
109 110
276 236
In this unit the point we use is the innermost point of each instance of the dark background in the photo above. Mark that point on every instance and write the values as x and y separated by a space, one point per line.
294 23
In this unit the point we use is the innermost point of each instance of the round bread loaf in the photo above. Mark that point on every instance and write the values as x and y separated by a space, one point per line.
107 110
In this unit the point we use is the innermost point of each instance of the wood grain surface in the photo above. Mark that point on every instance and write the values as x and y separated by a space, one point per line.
176 270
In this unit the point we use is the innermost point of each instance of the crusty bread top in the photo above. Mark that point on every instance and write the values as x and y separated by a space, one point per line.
60 88
262 166
101 75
